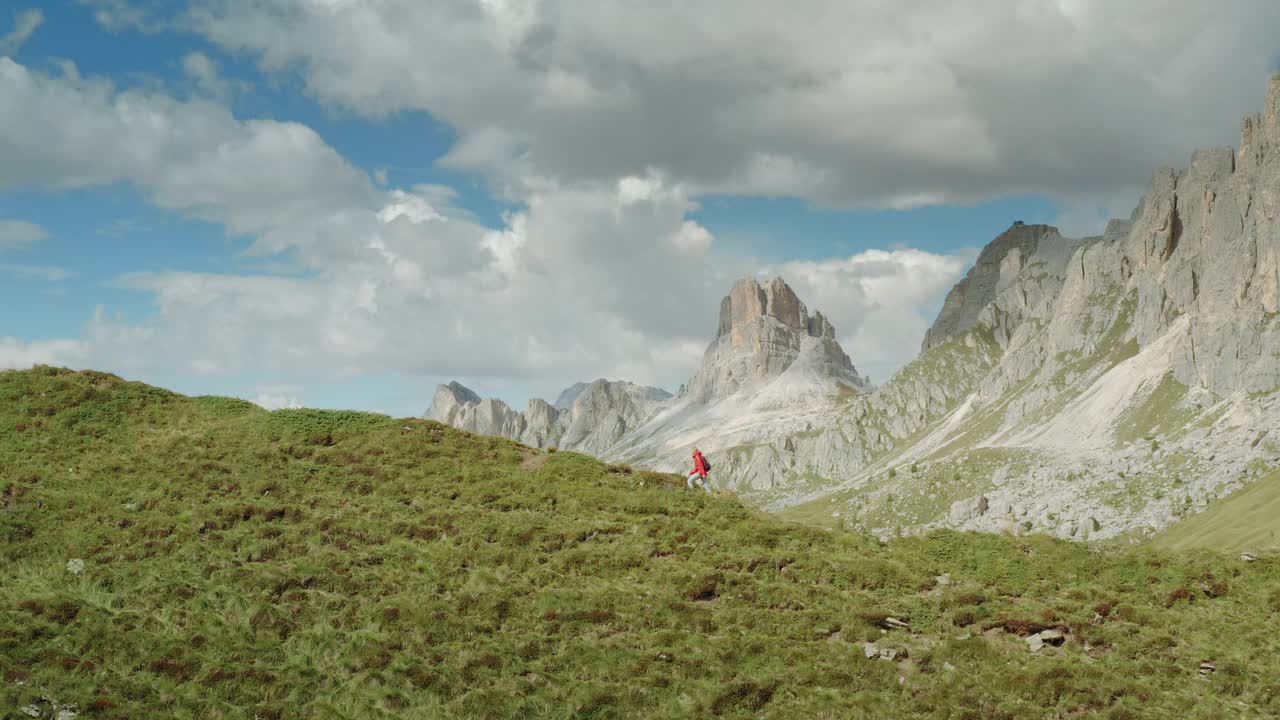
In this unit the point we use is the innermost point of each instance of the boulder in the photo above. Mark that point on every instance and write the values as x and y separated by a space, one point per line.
892 623
1037 641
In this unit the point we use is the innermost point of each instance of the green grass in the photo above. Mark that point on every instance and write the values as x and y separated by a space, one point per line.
911 498
1163 412
1247 520
304 564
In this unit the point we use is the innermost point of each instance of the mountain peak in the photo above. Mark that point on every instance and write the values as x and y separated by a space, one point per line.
764 330
1262 130
749 299
460 392
998 263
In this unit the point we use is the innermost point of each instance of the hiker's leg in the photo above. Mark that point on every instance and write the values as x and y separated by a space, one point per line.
692 476
706 484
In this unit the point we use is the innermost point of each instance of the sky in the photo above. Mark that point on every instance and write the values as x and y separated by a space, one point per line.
343 203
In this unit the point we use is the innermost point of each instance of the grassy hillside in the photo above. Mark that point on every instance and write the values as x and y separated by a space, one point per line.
239 563
1248 520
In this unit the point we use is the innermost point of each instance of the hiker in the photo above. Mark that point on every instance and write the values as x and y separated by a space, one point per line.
699 473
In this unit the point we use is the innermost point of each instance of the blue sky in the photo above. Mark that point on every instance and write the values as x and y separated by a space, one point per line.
316 203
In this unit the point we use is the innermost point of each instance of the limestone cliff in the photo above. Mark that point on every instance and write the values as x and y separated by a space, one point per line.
999 266
1126 392
589 417
763 331
1084 388
772 369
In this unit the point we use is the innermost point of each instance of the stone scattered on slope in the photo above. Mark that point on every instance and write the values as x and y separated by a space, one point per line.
1052 637
1036 642
874 652
892 623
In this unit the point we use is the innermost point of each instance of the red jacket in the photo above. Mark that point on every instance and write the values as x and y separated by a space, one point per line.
699 465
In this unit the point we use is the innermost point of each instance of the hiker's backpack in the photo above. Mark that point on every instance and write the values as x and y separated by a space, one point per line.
706 464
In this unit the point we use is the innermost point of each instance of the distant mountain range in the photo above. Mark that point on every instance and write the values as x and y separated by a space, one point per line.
1100 387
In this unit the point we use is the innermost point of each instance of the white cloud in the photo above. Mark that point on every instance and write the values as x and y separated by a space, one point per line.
19 354
277 397
587 278
1087 214
585 282
117 15
605 122
122 227
880 302
16 233
201 70
24 26
52 273
609 278
414 208
277 181
853 103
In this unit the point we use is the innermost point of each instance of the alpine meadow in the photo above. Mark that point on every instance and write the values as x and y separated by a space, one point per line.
167 556
600 360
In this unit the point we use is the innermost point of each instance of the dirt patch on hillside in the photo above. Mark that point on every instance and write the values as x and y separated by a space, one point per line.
533 460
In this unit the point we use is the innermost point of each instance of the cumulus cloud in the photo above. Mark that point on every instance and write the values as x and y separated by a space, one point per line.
583 283
24 26
880 302
604 122
586 279
17 233
277 397
52 273
276 181
117 15
201 70
19 354
854 103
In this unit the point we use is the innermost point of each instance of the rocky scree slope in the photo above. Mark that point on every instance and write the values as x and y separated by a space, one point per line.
1131 389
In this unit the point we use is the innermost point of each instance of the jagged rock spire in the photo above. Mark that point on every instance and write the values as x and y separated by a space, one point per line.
998 263
764 329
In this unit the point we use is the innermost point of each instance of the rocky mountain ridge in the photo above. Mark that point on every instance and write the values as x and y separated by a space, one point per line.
589 417
1130 393
1096 388
771 369
998 267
